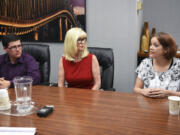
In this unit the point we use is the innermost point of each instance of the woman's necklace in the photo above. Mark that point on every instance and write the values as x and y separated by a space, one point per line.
77 59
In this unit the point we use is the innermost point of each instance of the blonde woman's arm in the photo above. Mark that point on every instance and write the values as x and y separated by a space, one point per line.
61 74
96 73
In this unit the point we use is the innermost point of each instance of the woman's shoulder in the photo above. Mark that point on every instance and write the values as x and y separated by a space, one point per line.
63 59
145 68
176 62
145 64
93 57
146 61
90 56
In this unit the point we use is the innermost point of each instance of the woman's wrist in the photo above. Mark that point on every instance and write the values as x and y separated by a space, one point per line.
139 90
172 93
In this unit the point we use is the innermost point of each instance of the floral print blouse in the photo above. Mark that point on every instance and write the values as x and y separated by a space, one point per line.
169 80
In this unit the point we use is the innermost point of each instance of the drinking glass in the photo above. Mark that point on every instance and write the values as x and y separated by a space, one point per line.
23 91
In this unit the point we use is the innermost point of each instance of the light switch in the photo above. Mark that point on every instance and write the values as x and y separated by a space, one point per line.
139 5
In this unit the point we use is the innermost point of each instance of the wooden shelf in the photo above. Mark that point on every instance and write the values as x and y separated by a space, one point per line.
142 54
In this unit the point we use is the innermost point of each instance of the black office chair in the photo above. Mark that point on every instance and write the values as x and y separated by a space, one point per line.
105 58
42 55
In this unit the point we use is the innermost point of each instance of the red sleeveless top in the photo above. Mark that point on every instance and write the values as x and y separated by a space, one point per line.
79 74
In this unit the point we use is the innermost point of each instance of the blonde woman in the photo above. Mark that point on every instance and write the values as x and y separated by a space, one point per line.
159 75
78 67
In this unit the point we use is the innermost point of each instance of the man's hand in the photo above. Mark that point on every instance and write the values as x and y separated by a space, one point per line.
4 83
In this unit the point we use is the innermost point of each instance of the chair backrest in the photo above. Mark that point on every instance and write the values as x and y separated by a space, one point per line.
41 54
105 58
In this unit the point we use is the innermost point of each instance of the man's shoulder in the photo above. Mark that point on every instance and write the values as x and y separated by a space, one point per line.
27 57
2 58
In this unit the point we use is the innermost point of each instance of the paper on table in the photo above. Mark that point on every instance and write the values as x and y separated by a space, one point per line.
17 131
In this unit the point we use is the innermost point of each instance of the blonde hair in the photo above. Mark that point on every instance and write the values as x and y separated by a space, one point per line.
70 43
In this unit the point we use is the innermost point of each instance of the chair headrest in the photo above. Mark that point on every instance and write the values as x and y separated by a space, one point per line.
38 51
104 55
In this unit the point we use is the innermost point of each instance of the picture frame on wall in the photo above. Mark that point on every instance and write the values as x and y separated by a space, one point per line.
41 20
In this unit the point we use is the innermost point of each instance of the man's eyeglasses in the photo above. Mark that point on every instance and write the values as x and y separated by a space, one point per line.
15 47
81 40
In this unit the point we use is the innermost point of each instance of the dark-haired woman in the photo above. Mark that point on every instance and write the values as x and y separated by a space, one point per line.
159 75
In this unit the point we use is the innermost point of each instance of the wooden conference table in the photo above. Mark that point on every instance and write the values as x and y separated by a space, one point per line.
86 112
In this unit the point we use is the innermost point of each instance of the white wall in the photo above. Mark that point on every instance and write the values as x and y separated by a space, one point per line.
113 23
164 15
56 50
110 24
